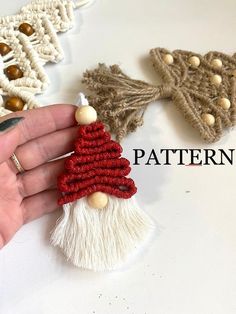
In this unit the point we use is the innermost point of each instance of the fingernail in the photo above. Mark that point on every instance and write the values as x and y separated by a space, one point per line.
1 242
9 123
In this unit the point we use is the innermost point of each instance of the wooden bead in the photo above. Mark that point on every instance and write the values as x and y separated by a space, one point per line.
216 63
234 73
208 118
216 79
168 59
224 103
4 49
13 72
14 104
97 200
26 29
85 115
194 61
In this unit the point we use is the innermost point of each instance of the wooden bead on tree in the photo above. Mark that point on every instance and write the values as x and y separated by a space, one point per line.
26 29
194 61
85 115
234 73
13 72
14 104
168 58
208 118
224 103
216 63
216 79
4 49
97 200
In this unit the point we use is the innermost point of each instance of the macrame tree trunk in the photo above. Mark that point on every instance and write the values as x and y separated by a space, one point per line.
102 223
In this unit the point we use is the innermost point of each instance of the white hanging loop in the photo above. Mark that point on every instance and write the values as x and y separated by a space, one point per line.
81 100
81 3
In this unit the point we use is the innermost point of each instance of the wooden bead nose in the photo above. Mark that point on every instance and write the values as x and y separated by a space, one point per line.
4 49
14 104
26 29
97 200
13 72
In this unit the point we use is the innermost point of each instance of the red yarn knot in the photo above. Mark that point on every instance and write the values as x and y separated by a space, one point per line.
96 165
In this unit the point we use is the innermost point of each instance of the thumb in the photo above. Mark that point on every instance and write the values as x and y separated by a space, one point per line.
9 137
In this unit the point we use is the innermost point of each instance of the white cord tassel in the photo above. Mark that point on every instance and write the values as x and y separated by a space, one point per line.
101 239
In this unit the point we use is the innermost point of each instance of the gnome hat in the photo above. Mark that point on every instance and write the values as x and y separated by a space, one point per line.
95 166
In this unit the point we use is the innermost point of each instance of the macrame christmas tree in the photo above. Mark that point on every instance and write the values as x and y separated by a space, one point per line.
202 88
59 12
102 223
29 40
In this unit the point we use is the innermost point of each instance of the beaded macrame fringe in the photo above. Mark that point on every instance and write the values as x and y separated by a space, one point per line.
202 88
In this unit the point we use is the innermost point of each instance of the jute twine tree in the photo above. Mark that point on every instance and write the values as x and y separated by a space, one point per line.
202 88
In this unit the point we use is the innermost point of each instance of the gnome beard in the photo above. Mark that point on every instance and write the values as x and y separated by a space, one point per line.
101 239
102 223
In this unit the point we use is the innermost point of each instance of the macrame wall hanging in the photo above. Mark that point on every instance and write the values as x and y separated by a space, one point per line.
102 224
202 87
29 40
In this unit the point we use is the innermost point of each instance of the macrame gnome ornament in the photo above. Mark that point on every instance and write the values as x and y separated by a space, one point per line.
102 223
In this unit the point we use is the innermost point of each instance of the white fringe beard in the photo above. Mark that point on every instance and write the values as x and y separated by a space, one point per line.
101 239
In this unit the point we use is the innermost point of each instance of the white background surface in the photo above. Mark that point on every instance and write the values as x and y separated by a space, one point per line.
190 266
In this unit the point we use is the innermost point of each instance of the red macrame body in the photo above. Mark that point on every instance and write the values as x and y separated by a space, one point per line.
96 165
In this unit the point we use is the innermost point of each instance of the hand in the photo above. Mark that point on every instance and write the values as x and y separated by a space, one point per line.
44 134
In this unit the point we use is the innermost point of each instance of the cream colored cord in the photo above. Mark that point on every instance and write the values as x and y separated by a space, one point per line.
79 4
